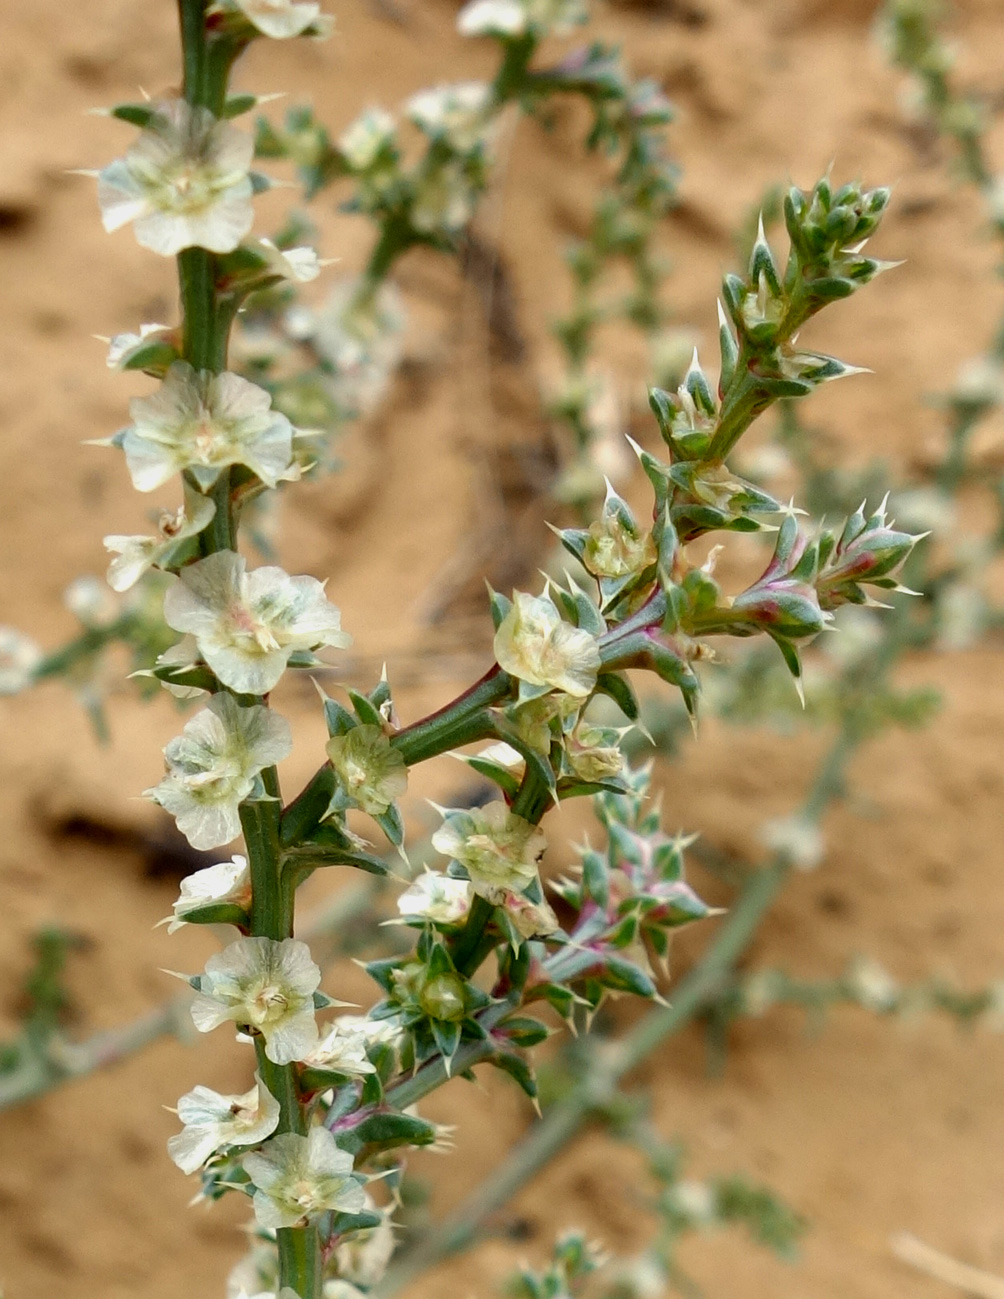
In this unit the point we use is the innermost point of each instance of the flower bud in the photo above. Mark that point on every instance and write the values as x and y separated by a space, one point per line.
868 551
615 547
443 997
19 656
370 770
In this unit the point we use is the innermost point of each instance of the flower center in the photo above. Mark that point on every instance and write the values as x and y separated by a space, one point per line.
268 1004
304 1194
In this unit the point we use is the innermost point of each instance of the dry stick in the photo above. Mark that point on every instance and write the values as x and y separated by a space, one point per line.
616 1060
970 1280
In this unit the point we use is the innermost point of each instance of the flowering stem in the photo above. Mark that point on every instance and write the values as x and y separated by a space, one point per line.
695 991
207 62
300 1258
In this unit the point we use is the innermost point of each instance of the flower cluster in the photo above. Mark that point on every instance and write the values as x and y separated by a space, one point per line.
332 1101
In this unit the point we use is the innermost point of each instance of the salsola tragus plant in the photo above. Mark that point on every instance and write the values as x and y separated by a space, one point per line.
332 1106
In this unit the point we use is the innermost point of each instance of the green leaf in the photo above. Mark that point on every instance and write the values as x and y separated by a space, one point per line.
524 1031
345 1224
386 1130
313 1081
307 856
500 606
623 976
197 677
140 115
238 105
518 1069
217 913
596 877
535 762
495 772
365 710
447 1036
618 688
338 720
303 816
391 823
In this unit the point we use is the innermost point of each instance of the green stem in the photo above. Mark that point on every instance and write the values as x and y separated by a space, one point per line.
271 899
207 61
468 950
300 1260
459 722
511 78
395 238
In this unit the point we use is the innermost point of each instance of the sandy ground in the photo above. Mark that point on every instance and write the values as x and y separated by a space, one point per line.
866 1129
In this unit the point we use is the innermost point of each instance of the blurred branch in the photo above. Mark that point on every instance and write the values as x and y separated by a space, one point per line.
970 1280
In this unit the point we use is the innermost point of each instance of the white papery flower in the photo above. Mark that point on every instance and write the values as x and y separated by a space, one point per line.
873 985
247 625
612 550
213 1121
212 766
797 838
19 657
300 265
123 347
135 555
362 140
514 17
265 987
497 848
458 114
298 1178
359 333
341 1049
376 1032
203 422
184 183
226 882
89 599
492 18
283 19
695 1201
534 644
436 897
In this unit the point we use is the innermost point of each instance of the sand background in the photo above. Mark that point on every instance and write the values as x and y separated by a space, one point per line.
867 1129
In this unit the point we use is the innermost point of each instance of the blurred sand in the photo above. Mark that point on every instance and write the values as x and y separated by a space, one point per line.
867 1130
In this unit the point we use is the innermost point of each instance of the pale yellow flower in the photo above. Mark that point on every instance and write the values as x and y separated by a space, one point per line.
498 849
299 1178
184 183
535 645
370 770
